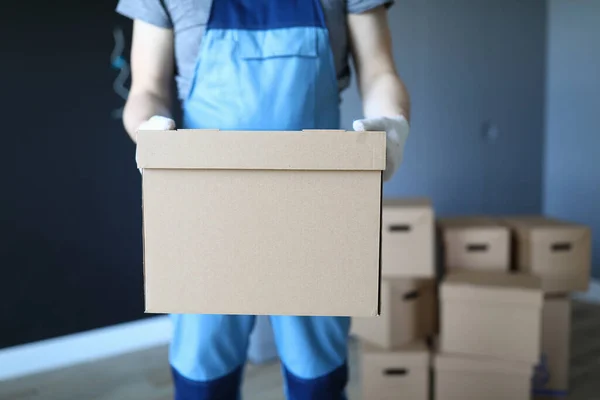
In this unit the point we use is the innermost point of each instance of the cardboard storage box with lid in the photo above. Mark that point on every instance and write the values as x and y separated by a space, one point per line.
404 373
262 222
480 378
557 251
551 379
408 313
407 238
491 314
475 243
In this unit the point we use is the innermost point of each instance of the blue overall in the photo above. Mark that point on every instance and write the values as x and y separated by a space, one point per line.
262 65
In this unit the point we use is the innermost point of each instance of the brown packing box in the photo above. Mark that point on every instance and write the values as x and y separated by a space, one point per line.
475 378
408 313
404 373
552 373
280 223
491 314
407 241
475 243
559 252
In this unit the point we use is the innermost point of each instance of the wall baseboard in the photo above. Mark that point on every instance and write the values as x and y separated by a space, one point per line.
83 347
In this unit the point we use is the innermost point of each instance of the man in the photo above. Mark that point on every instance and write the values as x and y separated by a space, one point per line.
269 65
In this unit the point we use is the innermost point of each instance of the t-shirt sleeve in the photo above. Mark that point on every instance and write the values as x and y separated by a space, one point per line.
360 6
149 11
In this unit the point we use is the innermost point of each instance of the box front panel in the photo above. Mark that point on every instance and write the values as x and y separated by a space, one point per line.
478 250
463 385
262 242
507 333
562 260
407 314
407 243
384 379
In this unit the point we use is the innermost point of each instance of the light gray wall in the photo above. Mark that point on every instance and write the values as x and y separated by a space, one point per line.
572 163
468 64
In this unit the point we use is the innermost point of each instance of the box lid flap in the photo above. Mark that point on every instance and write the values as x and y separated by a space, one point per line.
545 229
445 362
272 150
492 287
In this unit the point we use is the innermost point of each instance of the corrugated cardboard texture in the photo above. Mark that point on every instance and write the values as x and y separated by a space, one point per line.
466 378
475 243
403 373
557 251
552 373
261 241
407 238
408 313
491 314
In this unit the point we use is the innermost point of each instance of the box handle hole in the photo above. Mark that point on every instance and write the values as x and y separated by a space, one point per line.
561 247
477 248
411 295
395 372
400 228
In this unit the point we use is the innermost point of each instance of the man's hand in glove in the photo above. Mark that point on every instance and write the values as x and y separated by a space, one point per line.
396 129
157 123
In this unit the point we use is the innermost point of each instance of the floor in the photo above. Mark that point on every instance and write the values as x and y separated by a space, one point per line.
145 375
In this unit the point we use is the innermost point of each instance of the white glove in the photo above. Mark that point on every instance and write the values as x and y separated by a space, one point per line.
396 129
156 123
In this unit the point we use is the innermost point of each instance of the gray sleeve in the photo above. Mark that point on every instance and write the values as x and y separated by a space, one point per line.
360 6
149 11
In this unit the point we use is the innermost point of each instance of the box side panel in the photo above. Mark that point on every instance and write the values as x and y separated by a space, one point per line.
553 369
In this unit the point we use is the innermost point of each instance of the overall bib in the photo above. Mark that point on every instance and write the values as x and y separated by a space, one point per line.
262 65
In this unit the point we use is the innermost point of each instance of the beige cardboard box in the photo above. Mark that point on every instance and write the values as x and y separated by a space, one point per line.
407 239
404 373
475 243
280 223
551 377
557 251
408 313
473 378
491 314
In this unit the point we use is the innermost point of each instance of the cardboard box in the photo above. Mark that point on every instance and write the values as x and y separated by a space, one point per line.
407 239
408 313
278 223
558 251
466 378
491 314
551 377
403 373
475 243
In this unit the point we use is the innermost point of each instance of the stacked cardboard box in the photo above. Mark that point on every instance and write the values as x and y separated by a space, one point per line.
559 253
505 306
490 318
395 356
490 335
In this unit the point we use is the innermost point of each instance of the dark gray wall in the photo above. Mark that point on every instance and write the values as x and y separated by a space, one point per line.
572 179
70 215
469 64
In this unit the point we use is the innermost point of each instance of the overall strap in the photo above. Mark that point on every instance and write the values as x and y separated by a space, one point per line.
163 4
